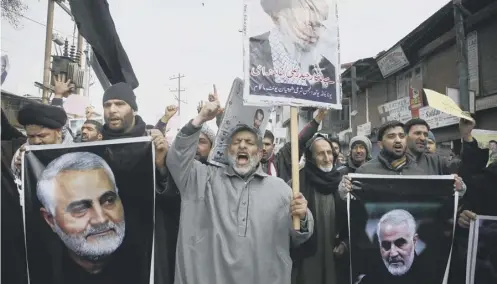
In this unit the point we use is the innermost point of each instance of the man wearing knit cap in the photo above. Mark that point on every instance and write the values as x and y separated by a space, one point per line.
119 103
431 143
360 153
43 125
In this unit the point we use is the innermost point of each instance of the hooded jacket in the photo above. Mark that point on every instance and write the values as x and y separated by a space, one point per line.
350 167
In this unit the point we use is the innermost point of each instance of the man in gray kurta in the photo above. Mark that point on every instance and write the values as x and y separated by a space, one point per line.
235 224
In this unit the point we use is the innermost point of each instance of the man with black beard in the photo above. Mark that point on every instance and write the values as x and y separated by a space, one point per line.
91 131
417 131
393 159
119 103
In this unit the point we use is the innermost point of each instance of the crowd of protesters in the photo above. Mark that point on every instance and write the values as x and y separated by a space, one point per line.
233 225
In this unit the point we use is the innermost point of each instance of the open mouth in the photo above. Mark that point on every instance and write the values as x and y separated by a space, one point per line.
397 147
242 158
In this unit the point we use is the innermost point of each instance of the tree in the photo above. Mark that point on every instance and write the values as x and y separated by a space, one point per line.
13 10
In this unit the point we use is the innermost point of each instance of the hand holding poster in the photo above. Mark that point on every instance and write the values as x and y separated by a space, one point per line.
235 113
89 212
400 228
295 59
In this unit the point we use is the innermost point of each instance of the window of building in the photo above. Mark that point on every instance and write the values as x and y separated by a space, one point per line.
404 80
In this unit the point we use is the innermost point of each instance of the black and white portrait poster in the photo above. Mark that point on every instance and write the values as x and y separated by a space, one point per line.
235 114
89 212
401 228
291 53
481 265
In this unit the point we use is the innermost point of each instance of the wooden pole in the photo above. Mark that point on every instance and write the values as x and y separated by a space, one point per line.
48 52
294 133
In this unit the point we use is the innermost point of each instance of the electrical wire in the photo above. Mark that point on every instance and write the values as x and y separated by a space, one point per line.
37 22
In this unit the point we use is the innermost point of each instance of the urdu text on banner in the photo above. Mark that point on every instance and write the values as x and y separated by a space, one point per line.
282 67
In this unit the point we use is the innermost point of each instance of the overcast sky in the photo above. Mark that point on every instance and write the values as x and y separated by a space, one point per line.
164 37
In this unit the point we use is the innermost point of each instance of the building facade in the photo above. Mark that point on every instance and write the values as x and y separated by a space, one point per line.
427 58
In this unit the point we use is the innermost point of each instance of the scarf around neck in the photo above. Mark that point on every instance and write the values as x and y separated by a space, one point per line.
138 130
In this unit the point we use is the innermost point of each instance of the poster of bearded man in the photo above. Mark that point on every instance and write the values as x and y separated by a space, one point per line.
401 228
89 212
291 53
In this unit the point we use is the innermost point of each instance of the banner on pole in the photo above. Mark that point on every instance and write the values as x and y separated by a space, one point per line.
89 212
291 53
401 228
235 113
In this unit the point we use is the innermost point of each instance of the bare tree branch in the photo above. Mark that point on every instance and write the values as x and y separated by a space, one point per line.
13 10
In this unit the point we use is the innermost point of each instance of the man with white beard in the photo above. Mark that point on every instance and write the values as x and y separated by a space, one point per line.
81 204
293 51
397 239
235 224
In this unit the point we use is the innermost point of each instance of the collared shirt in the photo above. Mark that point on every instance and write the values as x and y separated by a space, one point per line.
232 230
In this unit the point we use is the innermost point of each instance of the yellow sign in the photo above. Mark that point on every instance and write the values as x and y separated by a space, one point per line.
445 104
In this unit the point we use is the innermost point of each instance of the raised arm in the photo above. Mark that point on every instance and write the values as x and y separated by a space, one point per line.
181 156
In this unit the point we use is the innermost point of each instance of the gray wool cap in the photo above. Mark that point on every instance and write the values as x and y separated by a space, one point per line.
364 140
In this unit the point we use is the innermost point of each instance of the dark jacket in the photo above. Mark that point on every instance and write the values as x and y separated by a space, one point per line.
380 166
471 161
13 250
283 159
166 210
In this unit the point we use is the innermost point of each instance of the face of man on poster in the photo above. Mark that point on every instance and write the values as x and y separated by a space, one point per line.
397 237
81 204
302 23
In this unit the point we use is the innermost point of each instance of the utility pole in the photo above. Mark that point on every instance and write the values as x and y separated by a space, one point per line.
178 90
48 52
353 101
462 55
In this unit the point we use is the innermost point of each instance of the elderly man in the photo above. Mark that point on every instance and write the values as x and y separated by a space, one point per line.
235 222
81 204
397 238
316 261
292 52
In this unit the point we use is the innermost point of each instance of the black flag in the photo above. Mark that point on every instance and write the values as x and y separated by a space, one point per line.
96 25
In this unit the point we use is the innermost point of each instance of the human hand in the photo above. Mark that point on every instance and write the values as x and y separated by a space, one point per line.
465 218
62 87
321 114
465 128
209 109
18 158
344 187
340 250
170 112
161 147
298 206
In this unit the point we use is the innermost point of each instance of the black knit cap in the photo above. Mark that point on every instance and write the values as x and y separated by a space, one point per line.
43 115
121 91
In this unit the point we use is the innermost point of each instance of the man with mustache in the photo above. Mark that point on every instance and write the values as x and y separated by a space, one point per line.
279 164
360 153
91 131
417 131
292 52
235 222
397 238
81 204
